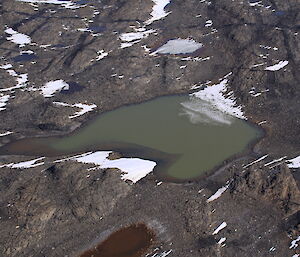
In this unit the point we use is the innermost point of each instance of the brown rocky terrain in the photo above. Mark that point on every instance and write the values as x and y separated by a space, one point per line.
61 209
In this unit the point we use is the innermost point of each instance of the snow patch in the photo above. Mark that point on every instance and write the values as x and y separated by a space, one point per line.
294 243
259 3
25 164
217 194
199 111
52 87
215 96
218 229
162 254
178 46
17 38
158 11
196 59
22 79
257 65
208 23
294 163
256 161
132 169
274 161
277 66
64 3
3 101
255 93
84 108
101 55
6 66
131 38
222 241
5 133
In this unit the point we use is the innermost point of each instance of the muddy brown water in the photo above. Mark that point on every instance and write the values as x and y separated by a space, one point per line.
187 138
131 241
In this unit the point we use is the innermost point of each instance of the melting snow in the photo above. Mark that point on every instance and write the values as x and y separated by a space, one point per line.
132 38
274 161
196 59
199 111
269 47
162 254
22 79
222 240
294 163
208 23
217 194
178 46
5 133
254 93
277 66
294 243
257 65
17 38
158 11
214 95
6 66
52 87
25 164
84 108
133 169
101 55
259 3
218 229
3 101
256 161
63 3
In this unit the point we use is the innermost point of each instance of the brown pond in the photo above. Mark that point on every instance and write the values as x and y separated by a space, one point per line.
131 241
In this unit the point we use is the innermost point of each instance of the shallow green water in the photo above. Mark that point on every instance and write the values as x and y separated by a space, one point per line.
158 124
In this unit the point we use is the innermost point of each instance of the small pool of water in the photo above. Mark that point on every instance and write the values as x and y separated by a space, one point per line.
24 57
132 241
185 141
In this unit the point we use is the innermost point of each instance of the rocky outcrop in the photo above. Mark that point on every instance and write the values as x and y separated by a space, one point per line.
276 186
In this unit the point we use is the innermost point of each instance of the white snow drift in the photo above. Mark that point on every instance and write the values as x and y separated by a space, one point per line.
84 108
131 38
294 163
158 11
3 101
21 79
5 133
178 46
217 194
51 87
216 97
65 4
219 228
277 66
133 169
26 164
213 105
17 38
199 111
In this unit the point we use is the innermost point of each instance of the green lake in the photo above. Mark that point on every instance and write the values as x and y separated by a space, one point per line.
185 141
